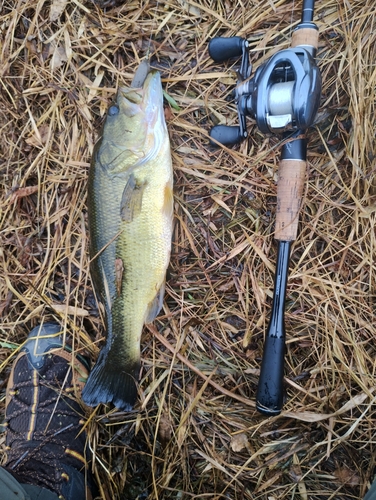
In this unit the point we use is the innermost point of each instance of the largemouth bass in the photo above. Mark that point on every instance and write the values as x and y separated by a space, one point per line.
130 208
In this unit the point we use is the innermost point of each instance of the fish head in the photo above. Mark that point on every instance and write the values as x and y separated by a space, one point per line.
135 126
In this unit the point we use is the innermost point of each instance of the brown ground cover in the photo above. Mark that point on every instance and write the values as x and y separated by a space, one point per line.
195 432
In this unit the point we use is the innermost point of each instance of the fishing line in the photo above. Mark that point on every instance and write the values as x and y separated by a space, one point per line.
151 32
292 16
290 34
144 66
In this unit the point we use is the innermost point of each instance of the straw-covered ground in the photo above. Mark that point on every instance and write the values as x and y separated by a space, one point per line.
195 432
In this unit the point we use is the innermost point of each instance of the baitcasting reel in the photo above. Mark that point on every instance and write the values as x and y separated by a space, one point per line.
284 93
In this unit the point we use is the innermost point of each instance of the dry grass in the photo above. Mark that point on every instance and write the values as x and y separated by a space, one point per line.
196 433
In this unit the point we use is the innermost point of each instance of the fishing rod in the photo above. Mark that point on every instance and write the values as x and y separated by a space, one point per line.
283 97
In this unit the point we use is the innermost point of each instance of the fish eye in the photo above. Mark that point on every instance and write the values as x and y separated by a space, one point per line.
113 110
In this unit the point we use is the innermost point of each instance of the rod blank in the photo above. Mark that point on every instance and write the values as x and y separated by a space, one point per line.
307 11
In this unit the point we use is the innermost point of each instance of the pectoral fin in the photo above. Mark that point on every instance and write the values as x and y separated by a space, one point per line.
155 305
131 201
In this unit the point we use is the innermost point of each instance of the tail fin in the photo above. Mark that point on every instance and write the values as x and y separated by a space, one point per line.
109 383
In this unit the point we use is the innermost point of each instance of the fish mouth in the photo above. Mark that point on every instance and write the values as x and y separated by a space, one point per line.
144 95
141 74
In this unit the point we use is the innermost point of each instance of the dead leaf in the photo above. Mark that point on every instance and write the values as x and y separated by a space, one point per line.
191 9
267 484
5 304
165 429
40 137
229 80
295 473
182 44
57 8
169 115
59 57
71 310
182 433
346 476
196 338
22 192
239 442
310 416
31 45
220 202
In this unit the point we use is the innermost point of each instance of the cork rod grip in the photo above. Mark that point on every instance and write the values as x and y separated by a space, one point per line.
305 36
291 180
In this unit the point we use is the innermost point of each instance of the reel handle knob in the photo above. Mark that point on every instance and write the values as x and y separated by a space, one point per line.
226 135
223 48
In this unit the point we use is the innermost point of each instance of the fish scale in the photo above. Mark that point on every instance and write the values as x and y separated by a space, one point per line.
130 206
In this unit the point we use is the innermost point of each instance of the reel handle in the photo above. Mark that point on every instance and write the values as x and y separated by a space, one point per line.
223 48
226 135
